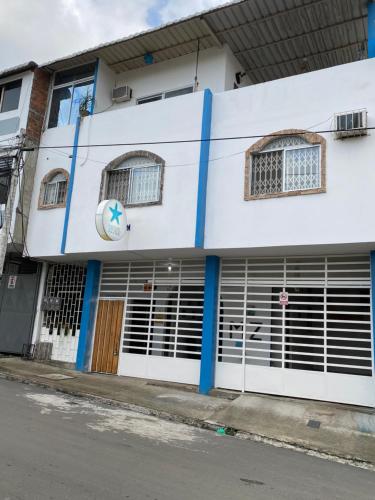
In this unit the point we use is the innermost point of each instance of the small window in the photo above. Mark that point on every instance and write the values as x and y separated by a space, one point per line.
289 164
136 181
10 96
71 87
151 98
165 95
54 190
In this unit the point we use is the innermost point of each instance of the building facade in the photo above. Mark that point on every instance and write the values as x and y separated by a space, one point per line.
248 258
23 99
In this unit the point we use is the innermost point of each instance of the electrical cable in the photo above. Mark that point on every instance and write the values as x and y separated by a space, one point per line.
183 141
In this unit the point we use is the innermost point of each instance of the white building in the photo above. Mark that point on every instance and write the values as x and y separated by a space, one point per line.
23 97
247 260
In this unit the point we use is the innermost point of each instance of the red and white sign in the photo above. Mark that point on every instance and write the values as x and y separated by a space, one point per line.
284 298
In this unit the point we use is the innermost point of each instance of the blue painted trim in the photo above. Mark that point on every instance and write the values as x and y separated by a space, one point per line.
371 30
90 298
94 87
70 187
372 267
211 287
203 168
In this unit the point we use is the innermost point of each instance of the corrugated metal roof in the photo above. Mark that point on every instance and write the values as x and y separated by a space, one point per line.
271 38
18 69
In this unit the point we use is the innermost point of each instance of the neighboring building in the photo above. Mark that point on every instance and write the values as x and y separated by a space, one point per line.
23 99
248 257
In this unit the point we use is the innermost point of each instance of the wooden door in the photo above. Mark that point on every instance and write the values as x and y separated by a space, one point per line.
107 336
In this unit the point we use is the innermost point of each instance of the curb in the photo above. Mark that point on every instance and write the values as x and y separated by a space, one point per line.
194 422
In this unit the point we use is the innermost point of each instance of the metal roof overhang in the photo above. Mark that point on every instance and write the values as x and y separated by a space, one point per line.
271 38
18 69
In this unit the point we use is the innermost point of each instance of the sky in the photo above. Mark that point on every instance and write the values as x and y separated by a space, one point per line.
43 30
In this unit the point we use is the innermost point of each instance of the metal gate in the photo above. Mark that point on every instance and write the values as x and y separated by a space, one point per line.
162 328
318 345
17 308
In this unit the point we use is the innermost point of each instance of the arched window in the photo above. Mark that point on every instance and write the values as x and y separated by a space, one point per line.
135 179
293 163
54 189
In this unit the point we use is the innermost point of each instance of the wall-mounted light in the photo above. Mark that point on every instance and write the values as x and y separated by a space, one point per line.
239 75
148 58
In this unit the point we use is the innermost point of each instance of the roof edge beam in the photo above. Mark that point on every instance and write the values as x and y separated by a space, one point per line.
159 51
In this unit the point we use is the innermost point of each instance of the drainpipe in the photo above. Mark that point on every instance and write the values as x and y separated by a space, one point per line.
71 184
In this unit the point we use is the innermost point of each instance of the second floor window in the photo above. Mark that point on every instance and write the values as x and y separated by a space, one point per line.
288 164
70 88
10 96
54 190
137 180
165 95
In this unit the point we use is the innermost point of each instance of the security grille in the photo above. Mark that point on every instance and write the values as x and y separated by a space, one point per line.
136 181
55 191
65 282
286 164
163 305
325 327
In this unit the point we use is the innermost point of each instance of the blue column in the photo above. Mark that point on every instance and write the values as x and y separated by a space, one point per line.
90 298
71 184
203 168
372 262
371 30
207 375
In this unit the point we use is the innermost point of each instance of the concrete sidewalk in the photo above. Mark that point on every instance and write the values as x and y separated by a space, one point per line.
340 430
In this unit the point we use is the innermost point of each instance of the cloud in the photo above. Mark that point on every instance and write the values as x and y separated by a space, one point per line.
42 30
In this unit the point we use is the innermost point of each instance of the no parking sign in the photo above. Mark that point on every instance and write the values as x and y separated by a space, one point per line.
284 298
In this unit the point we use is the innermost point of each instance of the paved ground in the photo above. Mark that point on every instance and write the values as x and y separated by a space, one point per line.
54 446
344 430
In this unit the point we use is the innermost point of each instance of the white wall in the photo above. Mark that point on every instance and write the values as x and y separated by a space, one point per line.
170 225
215 70
45 227
343 213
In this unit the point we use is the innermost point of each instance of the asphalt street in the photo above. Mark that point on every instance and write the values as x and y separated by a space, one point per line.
54 446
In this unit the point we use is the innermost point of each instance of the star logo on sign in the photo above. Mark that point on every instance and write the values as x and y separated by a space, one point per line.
115 214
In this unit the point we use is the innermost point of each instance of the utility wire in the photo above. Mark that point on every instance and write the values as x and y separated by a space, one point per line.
184 141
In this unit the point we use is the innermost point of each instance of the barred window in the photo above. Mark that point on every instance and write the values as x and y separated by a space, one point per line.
137 180
54 189
285 164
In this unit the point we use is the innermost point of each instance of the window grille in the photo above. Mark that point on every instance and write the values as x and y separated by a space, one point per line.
66 282
163 309
326 326
286 164
55 190
135 181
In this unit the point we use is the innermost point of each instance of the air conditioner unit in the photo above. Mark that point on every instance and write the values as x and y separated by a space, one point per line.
351 124
121 94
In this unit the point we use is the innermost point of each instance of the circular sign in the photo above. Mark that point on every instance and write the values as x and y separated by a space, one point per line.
110 220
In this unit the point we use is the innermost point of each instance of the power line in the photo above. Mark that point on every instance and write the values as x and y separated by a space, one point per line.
186 141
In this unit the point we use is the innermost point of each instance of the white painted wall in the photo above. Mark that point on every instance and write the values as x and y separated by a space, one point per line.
339 216
170 225
45 227
216 68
